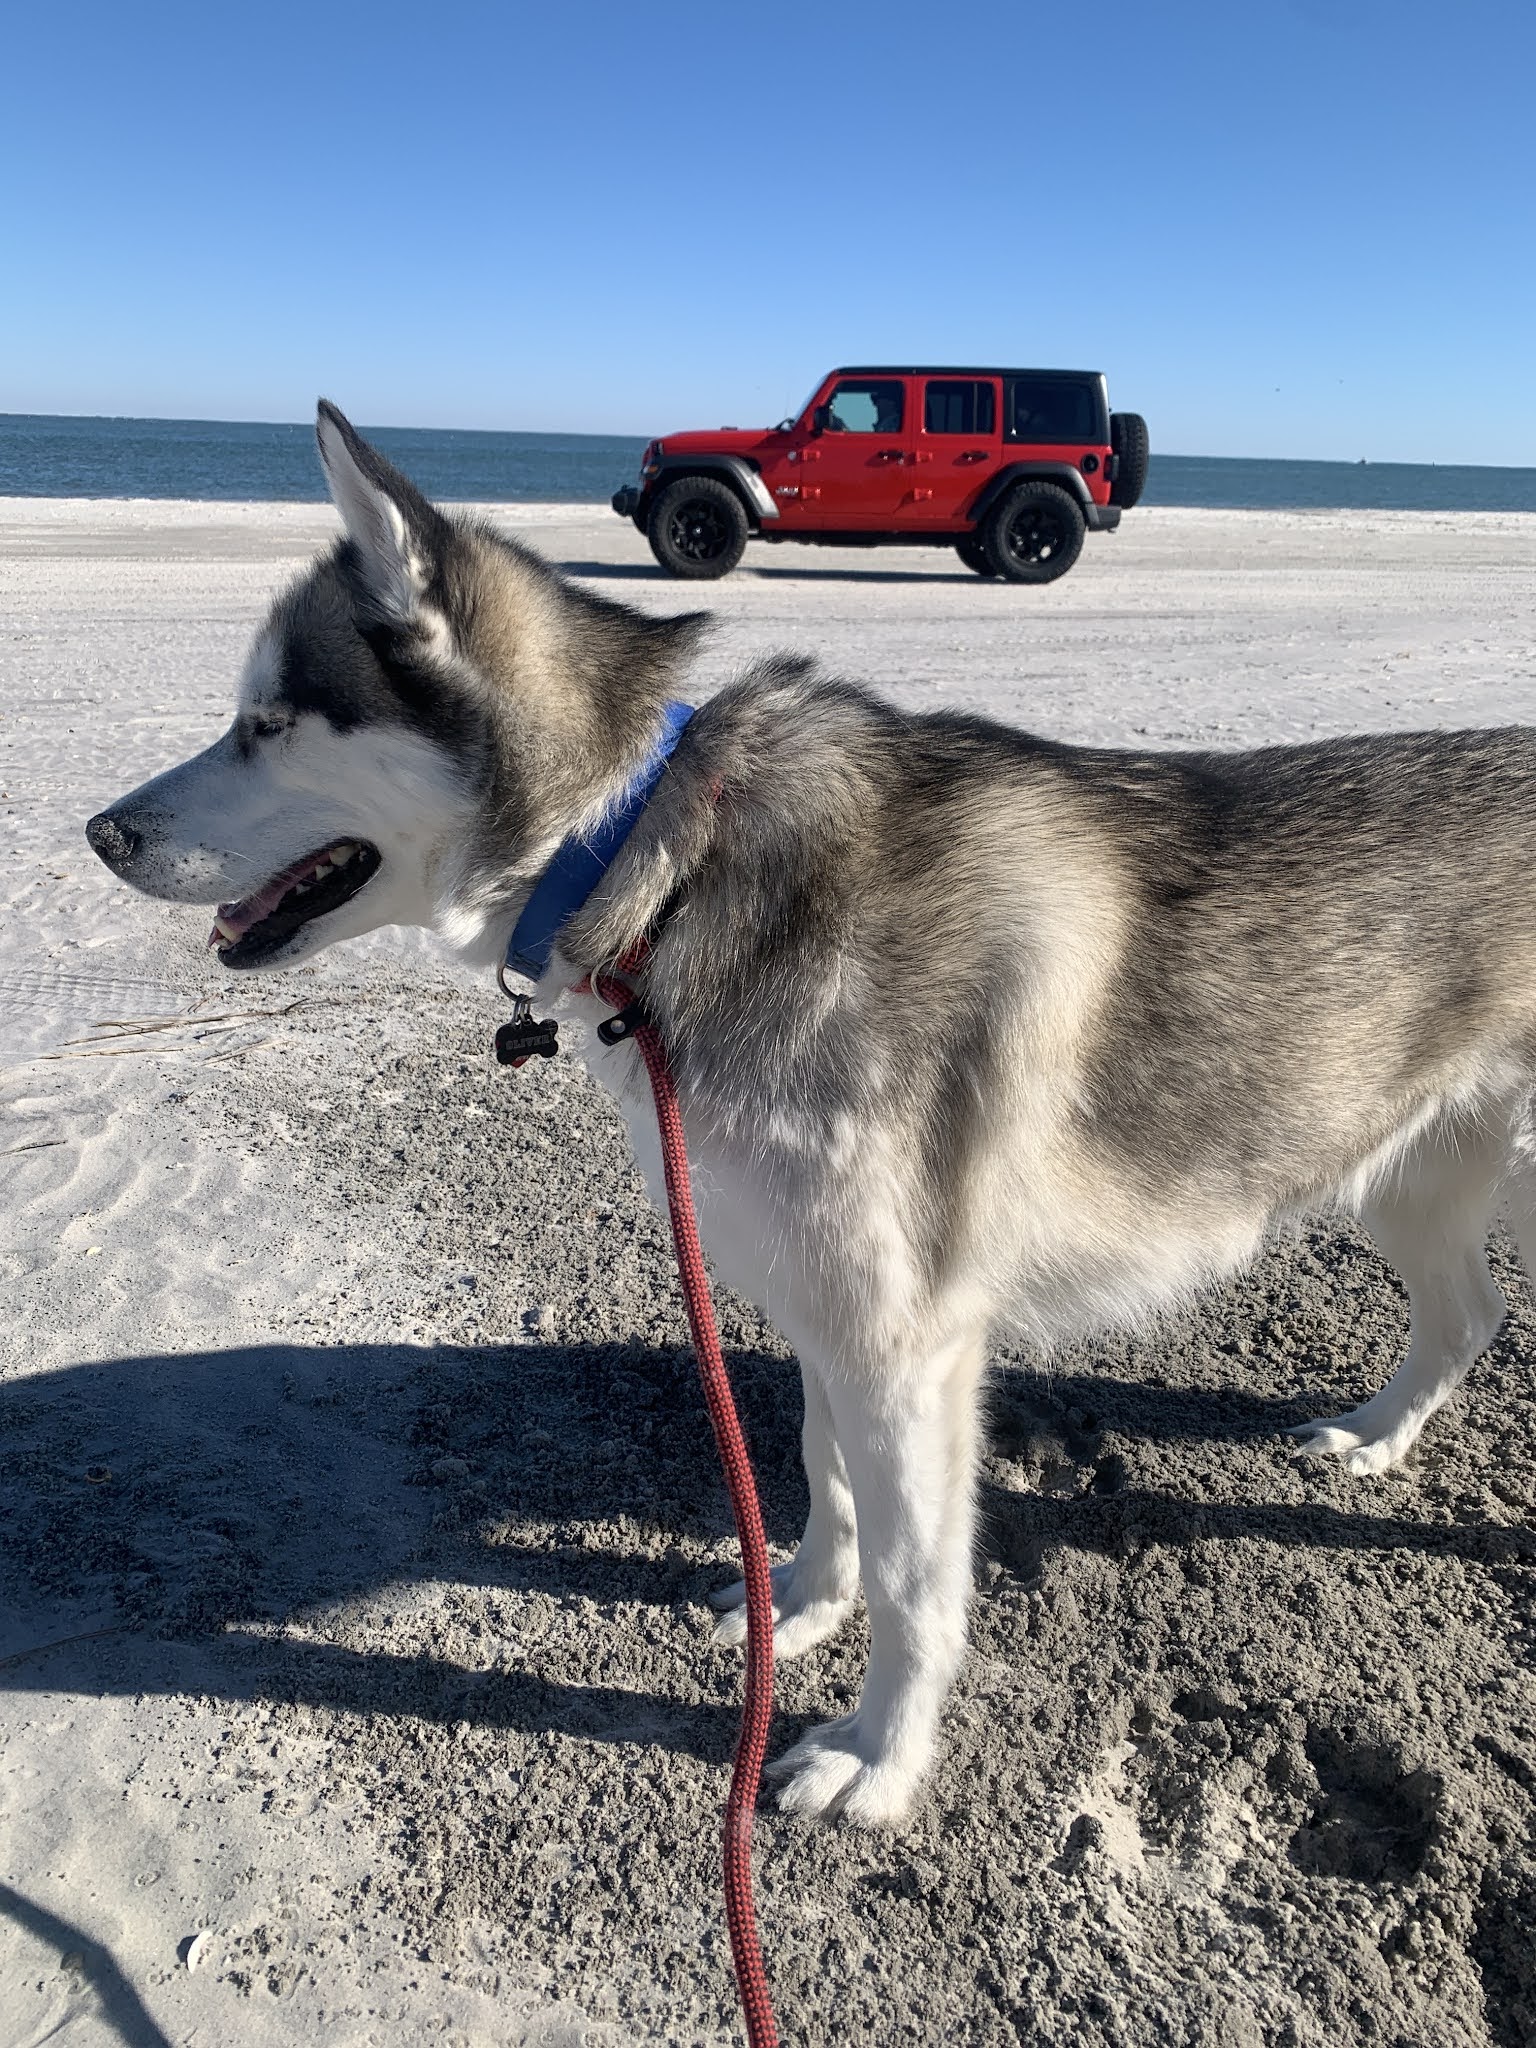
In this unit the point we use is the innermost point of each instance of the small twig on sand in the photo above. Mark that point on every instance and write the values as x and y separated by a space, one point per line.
238 1052
191 1020
88 1635
196 1026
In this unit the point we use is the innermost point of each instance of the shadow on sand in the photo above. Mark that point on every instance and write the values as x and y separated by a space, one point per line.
118 2006
199 1499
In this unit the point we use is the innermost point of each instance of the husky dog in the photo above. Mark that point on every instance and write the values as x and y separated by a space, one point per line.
969 1027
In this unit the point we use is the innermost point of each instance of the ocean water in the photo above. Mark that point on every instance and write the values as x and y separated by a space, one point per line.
46 456
56 457
1233 483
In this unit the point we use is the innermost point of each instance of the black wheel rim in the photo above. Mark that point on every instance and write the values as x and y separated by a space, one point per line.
699 531
1036 534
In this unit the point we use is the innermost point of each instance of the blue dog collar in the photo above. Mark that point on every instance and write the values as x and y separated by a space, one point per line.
580 864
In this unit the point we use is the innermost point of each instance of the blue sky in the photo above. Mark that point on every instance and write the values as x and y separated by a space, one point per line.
1283 227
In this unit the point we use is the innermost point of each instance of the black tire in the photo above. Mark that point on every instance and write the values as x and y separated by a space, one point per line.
970 550
1133 451
1034 533
697 528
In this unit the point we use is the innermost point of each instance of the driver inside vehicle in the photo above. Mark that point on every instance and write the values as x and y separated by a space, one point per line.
866 408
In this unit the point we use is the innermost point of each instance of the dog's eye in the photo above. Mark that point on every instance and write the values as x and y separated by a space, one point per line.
268 728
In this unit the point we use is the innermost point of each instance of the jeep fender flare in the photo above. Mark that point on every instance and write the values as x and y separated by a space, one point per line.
743 479
1067 474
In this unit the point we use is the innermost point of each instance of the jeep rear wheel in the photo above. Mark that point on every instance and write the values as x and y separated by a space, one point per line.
1132 451
970 550
1034 533
697 528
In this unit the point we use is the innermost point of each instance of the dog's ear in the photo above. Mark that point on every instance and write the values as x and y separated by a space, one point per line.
396 533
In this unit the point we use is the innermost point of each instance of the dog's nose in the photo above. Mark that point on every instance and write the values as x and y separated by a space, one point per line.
111 840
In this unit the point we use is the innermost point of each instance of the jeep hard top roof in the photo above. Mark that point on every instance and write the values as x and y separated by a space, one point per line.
950 370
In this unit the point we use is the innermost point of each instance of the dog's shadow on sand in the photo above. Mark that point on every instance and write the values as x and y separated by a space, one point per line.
210 1509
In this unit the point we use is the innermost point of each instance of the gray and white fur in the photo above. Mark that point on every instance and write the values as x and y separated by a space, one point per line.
1166 999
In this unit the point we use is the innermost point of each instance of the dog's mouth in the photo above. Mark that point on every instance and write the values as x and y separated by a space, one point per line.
261 924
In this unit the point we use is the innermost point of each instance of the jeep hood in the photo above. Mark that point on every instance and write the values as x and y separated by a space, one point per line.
723 441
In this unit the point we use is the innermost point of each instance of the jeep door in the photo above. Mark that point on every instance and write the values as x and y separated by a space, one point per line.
1054 416
959 445
854 472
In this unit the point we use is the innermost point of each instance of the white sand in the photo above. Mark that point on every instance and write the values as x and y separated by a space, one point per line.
426 1749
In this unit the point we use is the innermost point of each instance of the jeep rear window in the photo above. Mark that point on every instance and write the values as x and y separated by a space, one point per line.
1050 409
868 405
954 405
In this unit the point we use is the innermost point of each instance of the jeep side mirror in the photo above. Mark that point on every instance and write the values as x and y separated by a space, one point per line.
821 419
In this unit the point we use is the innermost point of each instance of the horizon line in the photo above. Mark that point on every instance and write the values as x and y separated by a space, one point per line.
586 434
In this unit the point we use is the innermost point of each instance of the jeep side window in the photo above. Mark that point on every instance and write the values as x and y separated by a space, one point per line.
872 405
1049 409
954 405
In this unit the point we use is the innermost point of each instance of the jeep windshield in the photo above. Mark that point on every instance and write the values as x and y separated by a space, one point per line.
800 410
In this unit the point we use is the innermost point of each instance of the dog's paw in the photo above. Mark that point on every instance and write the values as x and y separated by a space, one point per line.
801 1618
827 1777
1358 1438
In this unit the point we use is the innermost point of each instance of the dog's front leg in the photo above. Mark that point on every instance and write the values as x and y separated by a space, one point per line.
813 1592
909 1443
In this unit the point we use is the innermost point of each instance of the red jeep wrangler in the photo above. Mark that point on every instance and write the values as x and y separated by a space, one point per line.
1013 466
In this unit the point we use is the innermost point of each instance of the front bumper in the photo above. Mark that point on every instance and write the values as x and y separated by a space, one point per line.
626 502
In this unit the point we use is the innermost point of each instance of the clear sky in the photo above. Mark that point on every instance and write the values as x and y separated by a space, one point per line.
1283 227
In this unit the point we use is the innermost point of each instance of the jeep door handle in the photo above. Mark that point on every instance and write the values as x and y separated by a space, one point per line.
975 454
891 455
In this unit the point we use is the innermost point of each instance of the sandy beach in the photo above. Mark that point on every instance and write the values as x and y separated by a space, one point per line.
358 1507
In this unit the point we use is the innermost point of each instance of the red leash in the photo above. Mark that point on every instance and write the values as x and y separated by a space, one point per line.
757 1709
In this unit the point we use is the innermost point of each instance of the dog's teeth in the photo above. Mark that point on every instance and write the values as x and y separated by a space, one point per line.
225 931
340 855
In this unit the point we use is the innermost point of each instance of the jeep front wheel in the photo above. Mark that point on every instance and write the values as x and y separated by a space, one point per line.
697 528
1034 533
974 555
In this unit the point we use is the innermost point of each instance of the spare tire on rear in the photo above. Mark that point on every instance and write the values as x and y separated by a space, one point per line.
1132 452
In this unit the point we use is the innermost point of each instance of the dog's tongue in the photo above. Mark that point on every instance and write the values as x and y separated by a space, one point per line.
233 920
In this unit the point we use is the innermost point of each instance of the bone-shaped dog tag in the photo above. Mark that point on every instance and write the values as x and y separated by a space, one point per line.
521 1038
